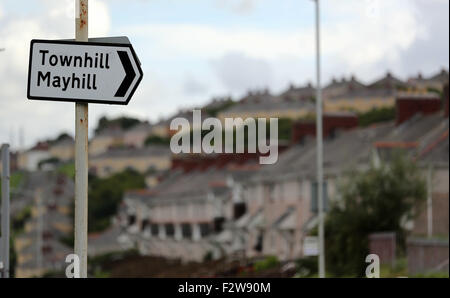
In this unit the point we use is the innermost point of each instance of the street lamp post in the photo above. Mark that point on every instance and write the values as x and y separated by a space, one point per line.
319 136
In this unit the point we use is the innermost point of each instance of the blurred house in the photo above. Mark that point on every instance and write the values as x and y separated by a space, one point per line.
162 128
40 248
361 101
265 105
137 135
184 216
105 139
299 93
268 210
437 81
354 96
13 161
282 199
63 149
114 239
342 87
114 160
29 159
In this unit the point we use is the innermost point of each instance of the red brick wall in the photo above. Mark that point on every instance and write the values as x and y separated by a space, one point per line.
301 129
407 107
446 100
383 244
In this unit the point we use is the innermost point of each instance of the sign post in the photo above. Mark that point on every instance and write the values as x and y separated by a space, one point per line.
81 152
100 70
5 211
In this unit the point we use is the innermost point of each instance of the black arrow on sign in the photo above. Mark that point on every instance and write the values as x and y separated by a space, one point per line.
129 74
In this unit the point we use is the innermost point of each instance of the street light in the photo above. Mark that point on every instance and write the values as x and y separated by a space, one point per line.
319 139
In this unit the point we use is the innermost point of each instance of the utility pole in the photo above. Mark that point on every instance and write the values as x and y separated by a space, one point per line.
429 202
319 135
5 210
81 151
39 230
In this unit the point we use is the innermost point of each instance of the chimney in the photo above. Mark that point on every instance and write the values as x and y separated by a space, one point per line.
410 104
331 122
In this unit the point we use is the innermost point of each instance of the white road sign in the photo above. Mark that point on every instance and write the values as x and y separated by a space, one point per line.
94 72
311 246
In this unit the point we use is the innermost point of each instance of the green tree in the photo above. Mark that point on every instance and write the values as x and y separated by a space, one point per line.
156 140
122 122
376 200
105 195
376 115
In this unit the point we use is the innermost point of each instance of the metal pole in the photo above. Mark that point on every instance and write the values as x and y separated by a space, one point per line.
429 204
5 209
39 231
319 136
81 152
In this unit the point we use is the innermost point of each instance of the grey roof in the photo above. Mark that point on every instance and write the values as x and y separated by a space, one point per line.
415 128
185 113
106 241
193 184
366 93
148 151
435 146
299 93
354 147
67 141
388 81
267 102
352 84
442 76
143 126
110 131
345 149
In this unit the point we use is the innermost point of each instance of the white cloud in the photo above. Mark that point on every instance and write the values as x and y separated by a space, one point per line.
361 37
238 6
210 42
55 21
240 73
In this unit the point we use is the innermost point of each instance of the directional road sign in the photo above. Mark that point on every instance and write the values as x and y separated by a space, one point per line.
94 72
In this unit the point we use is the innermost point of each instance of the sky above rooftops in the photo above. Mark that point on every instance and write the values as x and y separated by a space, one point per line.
194 50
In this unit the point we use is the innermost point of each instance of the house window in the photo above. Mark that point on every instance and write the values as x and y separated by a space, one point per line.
218 224
186 230
170 230
131 220
239 210
205 229
154 229
259 242
145 224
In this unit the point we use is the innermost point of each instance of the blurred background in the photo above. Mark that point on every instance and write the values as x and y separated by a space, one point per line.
153 213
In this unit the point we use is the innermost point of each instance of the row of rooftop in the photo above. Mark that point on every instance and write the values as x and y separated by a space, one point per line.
340 97
229 205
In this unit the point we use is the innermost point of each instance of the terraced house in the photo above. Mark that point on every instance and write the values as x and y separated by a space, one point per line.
241 208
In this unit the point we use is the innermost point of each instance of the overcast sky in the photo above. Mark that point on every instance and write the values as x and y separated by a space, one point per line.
193 50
